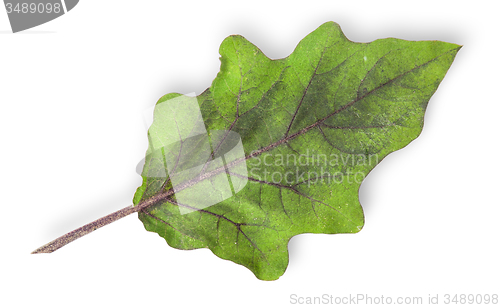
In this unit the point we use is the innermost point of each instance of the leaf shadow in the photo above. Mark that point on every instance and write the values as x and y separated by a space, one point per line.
84 213
366 192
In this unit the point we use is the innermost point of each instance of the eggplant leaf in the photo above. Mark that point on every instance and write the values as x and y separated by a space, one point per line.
305 131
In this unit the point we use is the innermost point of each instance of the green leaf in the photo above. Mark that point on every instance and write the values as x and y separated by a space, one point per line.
312 126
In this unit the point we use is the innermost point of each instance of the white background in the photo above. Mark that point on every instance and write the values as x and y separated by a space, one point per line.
72 93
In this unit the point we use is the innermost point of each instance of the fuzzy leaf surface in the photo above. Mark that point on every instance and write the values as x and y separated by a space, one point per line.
312 125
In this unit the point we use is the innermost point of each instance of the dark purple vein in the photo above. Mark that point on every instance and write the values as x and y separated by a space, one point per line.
161 196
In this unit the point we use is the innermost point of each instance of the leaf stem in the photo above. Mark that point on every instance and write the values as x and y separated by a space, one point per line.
101 222
77 233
